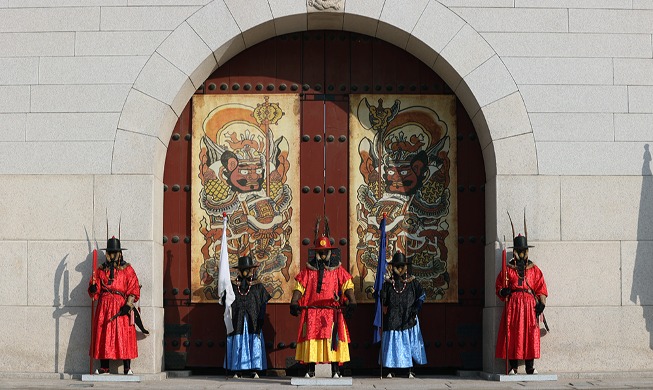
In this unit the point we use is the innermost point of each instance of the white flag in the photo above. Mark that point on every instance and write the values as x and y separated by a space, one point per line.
224 279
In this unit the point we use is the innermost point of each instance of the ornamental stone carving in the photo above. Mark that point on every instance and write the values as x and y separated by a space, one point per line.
323 5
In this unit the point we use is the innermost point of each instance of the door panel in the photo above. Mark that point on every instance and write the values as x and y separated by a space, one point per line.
336 174
336 62
313 62
322 68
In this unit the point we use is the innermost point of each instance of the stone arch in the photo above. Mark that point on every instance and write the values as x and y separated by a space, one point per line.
428 30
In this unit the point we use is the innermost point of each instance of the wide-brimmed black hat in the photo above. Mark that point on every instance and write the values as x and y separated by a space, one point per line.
113 245
520 242
245 262
398 259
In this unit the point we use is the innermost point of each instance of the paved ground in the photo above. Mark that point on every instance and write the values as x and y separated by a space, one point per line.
359 383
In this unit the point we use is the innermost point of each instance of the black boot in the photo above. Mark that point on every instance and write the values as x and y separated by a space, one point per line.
530 370
310 373
104 367
514 364
335 370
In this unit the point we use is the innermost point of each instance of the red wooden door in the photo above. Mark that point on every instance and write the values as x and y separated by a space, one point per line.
323 68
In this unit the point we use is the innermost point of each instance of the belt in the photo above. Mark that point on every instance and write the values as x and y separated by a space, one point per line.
526 290
114 292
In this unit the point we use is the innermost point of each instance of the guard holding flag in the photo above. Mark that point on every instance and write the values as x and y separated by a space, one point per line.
402 337
521 285
245 345
323 298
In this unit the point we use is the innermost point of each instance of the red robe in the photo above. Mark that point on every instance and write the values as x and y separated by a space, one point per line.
114 339
524 328
318 323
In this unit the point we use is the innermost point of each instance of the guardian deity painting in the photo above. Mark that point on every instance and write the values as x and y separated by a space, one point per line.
245 164
403 165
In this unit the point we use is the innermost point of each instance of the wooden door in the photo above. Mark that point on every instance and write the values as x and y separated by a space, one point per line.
323 68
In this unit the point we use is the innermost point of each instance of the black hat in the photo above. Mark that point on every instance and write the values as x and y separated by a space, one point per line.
245 262
113 245
520 242
398 259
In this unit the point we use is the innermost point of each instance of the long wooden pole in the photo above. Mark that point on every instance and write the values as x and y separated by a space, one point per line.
90 359
504 266
382 360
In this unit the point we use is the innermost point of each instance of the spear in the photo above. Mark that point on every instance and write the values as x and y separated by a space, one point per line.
504 268
90 364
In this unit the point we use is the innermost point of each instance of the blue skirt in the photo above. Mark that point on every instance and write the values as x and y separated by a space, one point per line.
402 347
245 352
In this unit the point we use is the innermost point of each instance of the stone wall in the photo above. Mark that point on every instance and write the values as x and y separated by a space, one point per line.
560 93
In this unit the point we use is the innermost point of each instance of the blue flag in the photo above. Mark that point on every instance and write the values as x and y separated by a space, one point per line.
378 284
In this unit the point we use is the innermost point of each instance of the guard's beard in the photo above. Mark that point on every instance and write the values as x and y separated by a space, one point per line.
320 266
112 267
521 266
244 283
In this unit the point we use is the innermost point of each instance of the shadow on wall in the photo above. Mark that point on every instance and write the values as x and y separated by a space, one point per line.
642 289
72 313
71 318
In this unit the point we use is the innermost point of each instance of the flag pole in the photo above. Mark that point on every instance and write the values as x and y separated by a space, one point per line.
90 363
504 266
381 266
381 330
382 270
222 289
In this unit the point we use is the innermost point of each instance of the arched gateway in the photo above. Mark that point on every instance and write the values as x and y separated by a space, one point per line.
436 36
329 78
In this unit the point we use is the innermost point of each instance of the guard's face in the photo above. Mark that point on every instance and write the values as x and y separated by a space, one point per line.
399 269
323 255
245 272
521 254
114 257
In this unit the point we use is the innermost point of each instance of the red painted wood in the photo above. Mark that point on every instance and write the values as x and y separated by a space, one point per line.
364 354
337 174
313 61
362 60
200 352
289 61
432 320
463 327
337 62
312 172
320 59
408 73
177 206
284 328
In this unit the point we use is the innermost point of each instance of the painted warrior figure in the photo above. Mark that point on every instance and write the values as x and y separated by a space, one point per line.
523 288
323 297
402 336
407 172
115 286
244 172
245 345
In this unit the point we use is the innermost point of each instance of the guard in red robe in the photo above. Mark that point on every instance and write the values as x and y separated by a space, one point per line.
322 299
525 295
115 286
